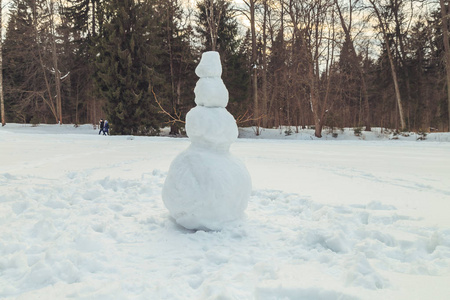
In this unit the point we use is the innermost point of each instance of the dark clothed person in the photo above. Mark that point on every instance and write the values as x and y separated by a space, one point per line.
101 125
106 128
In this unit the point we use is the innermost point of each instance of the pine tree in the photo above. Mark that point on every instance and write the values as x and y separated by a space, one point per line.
87 16
24 84
177 62
126 63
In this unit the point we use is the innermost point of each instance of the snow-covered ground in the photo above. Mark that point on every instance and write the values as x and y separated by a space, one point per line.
81 217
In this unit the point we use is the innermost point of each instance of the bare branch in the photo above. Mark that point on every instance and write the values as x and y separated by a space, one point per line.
173 119
246 117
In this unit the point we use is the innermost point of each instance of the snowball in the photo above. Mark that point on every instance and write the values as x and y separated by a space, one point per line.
210 65
214 128
211 92
205 189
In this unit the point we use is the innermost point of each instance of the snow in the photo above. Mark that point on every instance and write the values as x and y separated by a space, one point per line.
210 91
81 217
207 187
209 65
211 127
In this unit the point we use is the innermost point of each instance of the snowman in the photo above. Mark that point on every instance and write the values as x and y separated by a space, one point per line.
206 186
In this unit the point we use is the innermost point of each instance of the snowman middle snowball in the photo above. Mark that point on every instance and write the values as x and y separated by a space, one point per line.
206 186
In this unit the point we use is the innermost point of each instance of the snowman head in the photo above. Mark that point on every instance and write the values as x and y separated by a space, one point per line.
210 65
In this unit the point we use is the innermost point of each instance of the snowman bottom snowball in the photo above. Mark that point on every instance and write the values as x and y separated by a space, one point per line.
205 190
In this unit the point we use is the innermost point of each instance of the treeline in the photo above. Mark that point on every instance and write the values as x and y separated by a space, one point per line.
334 63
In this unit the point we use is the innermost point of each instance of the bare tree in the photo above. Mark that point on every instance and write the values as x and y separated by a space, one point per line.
445 15
213 14
384 32
397 7
264 64
251 4
275 67
37 37
2 101
313 28
56 70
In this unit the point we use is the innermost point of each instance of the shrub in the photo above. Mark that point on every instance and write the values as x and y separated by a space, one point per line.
422 135
35 121
288 131
357 131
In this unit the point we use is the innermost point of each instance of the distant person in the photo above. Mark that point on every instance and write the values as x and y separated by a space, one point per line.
106 128
101 124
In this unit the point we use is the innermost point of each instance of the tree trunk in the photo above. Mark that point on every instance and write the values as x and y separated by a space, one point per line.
213 22
2 102
264 70
55 65
402 54
93 18
445 16
314 99
254 64
174 130
76 108
57 83
366 101
48 101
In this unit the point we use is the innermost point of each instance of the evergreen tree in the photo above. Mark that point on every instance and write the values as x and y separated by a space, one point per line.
23 80
350 84
126 64
177 62
87 16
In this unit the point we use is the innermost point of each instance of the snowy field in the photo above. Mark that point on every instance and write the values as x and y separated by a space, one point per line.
81 217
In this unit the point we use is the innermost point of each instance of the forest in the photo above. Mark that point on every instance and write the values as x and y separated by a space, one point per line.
300 63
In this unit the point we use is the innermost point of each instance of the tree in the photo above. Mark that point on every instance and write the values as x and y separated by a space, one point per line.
424 75
2 101
277 65
26 87
33 77
56 70
445 16
232 49
83 20
352 57
177 61
251 15
315 54
384 32
126 74
217 26
87 16
213 15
